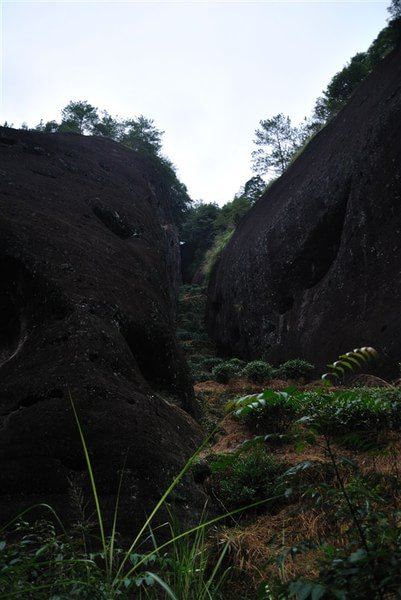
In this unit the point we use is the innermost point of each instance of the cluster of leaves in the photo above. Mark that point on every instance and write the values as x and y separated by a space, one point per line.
368 410
344 83
278 141
192 334
296 369
260 371
244 477
225 371
368 563
207 228
350 362
40 560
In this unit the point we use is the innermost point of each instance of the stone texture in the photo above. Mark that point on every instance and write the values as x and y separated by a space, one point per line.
89 266
314 269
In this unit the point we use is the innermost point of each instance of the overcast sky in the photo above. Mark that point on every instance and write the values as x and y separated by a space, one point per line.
206 72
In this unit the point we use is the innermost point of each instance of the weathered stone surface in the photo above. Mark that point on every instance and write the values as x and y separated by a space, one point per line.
314 269
89 264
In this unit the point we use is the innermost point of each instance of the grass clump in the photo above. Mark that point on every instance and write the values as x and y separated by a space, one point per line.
43 560
258 371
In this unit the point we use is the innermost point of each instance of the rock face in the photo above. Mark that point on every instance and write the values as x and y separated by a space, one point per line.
89 264
314 269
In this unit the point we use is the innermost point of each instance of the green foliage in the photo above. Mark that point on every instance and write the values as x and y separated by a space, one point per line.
258 371
78 117
295 369
395 9
237 363
367 410
244 477
344 83
197 234
277 141
183 335
210 362
214 252
351 361
207 228
268 412
368 564
223 372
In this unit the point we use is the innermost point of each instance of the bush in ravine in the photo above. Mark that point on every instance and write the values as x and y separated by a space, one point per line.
209 362
237 363
223 372
184 335
295 369
258 371
244 477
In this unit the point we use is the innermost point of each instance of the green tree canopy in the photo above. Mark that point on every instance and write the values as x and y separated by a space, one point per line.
78 116
277 140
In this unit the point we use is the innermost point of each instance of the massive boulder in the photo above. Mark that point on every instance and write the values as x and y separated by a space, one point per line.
314 268
89 265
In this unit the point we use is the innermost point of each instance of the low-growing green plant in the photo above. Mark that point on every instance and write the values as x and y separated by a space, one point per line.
183 335
237 363
243 477
224 371
209 362
211 256
258 371
200 376
296 369
361 409
337 412
268 412
368 564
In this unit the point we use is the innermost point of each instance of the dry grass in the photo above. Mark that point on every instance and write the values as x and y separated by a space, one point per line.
255 547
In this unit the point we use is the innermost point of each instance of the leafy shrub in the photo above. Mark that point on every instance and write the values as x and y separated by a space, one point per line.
211 256
258 371
208 363
361 409
336 412
268 412
237 363
244 477
368 567
184 335
202 376
198 359
295 369
224 372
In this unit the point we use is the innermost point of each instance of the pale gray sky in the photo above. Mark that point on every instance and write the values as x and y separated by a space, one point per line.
206 72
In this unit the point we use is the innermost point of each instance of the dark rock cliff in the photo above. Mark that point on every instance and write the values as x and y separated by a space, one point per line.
314 269
89 267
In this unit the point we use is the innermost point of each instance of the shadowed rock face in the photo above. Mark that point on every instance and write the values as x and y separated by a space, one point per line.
314 269
89 266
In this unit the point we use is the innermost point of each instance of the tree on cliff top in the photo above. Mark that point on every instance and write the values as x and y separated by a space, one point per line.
140 134
78 116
